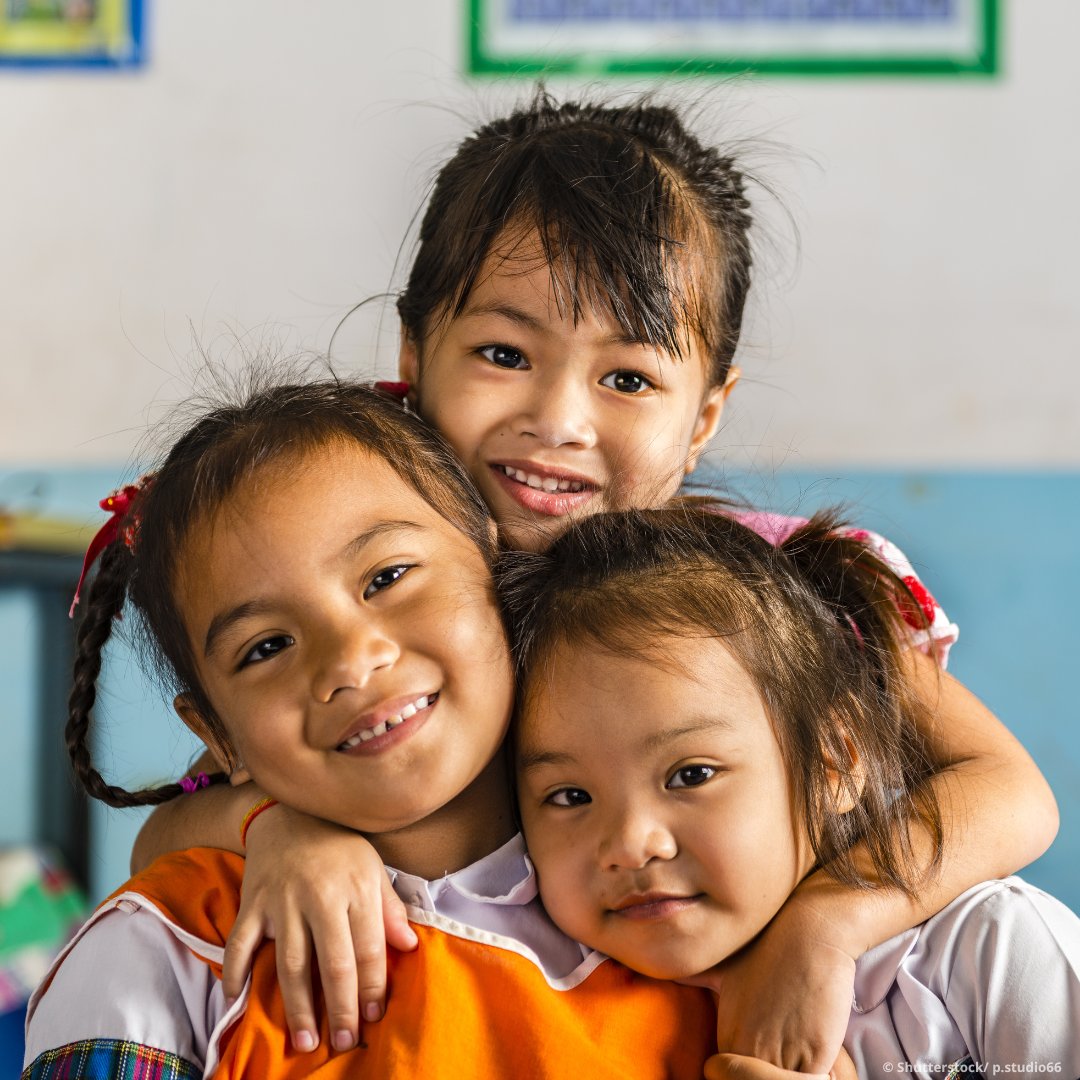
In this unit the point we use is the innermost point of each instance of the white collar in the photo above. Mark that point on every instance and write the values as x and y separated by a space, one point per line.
505 876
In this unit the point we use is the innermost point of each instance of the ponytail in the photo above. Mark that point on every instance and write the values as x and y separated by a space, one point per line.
889 760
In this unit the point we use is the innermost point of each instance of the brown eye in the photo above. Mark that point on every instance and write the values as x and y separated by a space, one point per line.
569 797
267 649
384 579
627 382
691 776
505 357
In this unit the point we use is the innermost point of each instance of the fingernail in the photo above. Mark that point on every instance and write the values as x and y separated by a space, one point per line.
343 1040
304 1041
413 937
372 1011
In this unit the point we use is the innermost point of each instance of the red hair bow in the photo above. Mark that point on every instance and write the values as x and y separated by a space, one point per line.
117 504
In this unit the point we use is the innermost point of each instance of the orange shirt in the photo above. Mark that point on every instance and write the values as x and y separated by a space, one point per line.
457 1007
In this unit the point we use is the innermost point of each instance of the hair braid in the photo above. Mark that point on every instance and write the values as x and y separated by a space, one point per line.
107 594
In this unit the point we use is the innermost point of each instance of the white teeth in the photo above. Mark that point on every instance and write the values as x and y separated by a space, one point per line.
367 734
542 483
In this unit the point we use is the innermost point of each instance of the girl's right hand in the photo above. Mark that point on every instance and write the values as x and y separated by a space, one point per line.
317 889
737 1067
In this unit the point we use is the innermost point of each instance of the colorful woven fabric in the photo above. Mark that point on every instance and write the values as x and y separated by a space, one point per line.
109 1059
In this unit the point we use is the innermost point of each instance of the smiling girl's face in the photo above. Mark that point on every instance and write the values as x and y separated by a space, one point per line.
556 418
348 638
656 804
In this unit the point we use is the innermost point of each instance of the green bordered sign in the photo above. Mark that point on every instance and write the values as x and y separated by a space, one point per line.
782 37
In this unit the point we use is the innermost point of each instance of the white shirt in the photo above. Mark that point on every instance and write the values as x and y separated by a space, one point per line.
995 976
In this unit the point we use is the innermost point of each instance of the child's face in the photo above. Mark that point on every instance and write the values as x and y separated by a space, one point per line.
656 805
348 639
554 418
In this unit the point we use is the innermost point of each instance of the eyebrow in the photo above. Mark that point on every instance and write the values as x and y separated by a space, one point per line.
225 620
534 759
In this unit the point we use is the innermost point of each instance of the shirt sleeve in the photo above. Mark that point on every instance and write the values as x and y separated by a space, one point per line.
1011 958
930 630
127 995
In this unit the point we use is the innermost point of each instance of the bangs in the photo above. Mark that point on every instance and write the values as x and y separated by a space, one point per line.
618 230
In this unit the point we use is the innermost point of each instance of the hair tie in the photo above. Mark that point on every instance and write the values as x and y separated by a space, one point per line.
117 504
193 783
399 390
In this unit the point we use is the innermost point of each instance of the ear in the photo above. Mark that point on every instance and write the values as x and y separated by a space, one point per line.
213 740
408 358
846 783
708 421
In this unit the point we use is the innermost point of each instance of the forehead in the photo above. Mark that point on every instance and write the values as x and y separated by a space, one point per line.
586 693
298 511
319 484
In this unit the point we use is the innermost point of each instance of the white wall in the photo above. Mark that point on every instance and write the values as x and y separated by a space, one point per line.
264 167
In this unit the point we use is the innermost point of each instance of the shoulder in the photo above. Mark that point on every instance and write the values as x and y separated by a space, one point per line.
998 968
128 984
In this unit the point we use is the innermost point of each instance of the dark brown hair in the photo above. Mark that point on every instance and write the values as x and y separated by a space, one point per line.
634 214
816 622
273 425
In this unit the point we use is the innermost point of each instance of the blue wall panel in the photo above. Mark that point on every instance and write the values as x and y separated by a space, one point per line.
1000 551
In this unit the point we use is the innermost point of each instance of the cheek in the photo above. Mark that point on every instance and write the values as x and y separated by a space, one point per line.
563 880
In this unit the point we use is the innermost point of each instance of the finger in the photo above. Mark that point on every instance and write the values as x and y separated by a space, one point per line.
333 940
399 934
293 957
246 936
843 1068
737 1067
369 959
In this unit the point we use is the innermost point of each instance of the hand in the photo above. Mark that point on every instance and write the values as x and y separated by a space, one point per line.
786 998
736 1067
308 884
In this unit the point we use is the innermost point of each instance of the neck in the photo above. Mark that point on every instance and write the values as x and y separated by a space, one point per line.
474 824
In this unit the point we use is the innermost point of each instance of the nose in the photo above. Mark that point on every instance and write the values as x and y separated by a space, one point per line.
558 411
347 652
634 838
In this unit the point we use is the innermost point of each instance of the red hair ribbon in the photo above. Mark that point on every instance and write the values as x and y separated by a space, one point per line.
117 504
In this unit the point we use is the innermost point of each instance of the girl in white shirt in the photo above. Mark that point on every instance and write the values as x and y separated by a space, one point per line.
704 719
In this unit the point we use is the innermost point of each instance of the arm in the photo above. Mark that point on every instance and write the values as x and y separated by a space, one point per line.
128 994
787 996
210 817
317 888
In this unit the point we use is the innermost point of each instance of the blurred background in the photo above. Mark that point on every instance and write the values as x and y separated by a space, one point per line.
913 346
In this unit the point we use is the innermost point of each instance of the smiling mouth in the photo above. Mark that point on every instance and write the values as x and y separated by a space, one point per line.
389 723
654 906
550 484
